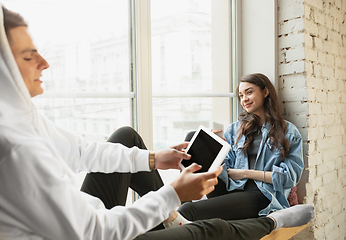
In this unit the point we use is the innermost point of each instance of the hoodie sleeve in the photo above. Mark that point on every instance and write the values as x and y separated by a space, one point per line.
38 197
83 155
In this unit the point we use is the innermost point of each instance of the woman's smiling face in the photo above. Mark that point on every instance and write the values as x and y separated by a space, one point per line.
29 61
252 98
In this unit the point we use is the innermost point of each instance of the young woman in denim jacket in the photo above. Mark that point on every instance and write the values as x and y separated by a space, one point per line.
265 162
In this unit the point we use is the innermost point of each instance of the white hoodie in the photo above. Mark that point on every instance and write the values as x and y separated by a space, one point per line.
38 198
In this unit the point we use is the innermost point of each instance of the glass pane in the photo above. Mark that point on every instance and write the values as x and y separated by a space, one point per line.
86 45
190 54
92 118
181 46
185 114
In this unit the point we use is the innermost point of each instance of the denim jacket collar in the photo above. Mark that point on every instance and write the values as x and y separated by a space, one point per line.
264 129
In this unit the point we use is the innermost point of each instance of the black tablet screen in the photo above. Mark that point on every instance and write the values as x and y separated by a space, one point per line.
203 151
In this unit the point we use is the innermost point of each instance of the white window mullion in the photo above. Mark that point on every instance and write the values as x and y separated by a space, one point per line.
221 54
236 54
144 83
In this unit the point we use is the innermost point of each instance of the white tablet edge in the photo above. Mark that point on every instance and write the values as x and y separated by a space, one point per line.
222 153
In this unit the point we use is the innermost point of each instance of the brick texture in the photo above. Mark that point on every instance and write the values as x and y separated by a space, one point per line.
312 90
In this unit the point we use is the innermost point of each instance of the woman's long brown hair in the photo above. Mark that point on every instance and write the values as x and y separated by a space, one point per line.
249 122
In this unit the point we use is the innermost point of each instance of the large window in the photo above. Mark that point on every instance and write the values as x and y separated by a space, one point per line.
162 66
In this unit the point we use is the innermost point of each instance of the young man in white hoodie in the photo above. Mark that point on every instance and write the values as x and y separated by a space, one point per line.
38 197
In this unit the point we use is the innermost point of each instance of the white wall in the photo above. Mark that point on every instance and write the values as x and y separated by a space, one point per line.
259 37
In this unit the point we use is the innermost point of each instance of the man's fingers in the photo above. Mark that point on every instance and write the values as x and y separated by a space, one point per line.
211 182
181 146
193 168
209 190
214 174
209 186
218 170
180 154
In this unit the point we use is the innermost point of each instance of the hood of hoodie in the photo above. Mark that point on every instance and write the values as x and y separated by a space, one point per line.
21 124
19 121
15 100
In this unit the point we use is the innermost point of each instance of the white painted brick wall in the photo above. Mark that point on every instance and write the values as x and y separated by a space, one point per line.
291 40
312 91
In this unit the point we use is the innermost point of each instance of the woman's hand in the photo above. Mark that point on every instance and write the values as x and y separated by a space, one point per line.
218 131
236 174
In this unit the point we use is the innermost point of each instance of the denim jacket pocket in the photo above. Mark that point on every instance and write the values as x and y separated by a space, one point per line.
239 145
271 146
238 151
237 148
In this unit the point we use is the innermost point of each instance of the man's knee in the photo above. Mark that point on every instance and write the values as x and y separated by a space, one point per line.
126 130
121 133
128 137
188 211
189 136
214 229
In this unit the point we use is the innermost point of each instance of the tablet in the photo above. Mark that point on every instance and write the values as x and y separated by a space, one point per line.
206 149
218 126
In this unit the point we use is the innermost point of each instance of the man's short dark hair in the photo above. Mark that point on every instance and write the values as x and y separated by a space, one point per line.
12 20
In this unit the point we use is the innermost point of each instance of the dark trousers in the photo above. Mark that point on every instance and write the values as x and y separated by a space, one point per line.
234 205
112 190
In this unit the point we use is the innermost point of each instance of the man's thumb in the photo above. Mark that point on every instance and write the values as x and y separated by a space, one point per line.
193 167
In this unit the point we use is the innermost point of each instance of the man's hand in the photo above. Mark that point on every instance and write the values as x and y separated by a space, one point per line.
169 158
193 186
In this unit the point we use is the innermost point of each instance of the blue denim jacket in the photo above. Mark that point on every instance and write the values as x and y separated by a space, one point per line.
286 173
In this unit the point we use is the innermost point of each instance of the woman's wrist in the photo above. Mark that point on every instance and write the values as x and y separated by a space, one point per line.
246 173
